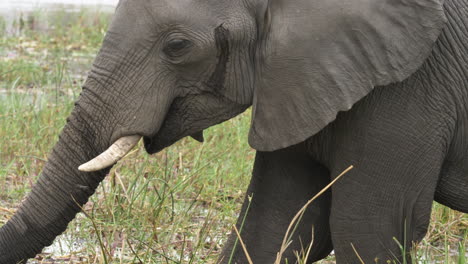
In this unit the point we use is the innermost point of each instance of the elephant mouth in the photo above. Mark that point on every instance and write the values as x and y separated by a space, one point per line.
158 142
152 145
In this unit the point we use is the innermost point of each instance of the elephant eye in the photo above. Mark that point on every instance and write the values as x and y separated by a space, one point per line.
177 47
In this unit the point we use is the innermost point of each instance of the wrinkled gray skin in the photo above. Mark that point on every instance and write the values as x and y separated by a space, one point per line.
168 69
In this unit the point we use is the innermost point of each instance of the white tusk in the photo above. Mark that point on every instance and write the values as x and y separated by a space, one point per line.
113 154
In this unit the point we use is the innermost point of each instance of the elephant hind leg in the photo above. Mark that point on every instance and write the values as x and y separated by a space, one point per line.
452 189
387 197
376 211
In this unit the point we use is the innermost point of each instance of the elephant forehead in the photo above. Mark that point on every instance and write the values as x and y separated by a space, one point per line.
140 20
152 17
190 12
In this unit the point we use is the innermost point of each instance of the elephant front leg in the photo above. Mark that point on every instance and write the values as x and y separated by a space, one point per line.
282 182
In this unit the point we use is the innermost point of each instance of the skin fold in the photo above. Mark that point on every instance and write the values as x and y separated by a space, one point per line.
380 85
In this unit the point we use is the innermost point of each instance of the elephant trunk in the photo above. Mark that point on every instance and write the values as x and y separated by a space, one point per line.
60 191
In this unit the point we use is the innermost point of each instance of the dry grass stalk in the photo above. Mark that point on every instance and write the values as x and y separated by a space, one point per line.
243 245
7 210
357 254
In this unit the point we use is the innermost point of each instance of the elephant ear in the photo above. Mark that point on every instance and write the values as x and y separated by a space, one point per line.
320 57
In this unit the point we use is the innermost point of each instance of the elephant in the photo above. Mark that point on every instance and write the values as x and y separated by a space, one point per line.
380 85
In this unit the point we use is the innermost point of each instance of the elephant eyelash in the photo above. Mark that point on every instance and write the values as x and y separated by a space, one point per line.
177 48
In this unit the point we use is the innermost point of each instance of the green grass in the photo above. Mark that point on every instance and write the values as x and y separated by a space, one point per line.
175 207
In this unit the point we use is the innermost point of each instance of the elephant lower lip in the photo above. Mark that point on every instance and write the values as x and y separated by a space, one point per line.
151 146
158 142
198 136
154 144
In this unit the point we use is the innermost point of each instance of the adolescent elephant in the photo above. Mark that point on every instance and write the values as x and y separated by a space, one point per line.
381 85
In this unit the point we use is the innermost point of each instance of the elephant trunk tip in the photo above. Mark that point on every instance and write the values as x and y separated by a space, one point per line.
114 153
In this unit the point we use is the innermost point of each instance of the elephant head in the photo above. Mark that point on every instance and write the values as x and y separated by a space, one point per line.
169 69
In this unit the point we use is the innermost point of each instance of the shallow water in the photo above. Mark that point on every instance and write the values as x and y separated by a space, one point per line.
30 5
16 14
20 20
